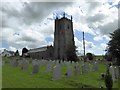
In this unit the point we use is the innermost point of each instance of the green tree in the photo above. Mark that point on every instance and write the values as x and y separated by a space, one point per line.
108 80
17 53
89 56
114 45
71 53
24 50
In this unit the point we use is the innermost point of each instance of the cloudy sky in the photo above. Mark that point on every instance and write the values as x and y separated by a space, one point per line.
31 24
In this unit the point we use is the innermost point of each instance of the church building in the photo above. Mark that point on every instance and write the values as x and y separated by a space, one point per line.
63 39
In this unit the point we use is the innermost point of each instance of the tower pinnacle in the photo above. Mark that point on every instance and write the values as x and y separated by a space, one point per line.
71 17
64 14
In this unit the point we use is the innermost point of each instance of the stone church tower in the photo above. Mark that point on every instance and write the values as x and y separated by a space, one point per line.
63 37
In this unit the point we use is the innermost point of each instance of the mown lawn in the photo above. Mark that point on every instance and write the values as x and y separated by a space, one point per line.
16 78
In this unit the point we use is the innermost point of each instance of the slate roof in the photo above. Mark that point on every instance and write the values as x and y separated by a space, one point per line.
37 49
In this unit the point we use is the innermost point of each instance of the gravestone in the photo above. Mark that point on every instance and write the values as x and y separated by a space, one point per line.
116 72
25 65
69 72
14 63
57 72
35 67
77 69
73 63
83 69
112 72
89 67
20 62
49 66
95 66
68 64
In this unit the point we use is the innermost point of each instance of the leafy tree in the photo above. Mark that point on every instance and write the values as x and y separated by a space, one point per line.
24 50
114 45
17 53
89 56
108 56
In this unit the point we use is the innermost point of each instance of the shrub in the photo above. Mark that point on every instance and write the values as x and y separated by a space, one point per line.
108 80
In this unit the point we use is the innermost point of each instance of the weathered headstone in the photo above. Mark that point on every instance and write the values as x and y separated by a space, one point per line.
35 67
89 67
77 69
95 66
57 72
116 72
49 66
112 72
25 65
83 68
14 63
69 72
73 63
20 62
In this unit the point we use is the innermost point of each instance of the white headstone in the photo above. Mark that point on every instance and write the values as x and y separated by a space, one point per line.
112 72
57 72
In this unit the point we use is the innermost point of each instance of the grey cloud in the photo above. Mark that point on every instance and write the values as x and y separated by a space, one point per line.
33 12
92 6
96 18
109 27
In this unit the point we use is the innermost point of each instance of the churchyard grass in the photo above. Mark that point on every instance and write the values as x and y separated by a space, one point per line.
15 77
0 77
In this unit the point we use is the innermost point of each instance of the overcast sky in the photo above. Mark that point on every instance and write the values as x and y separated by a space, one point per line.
31 24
